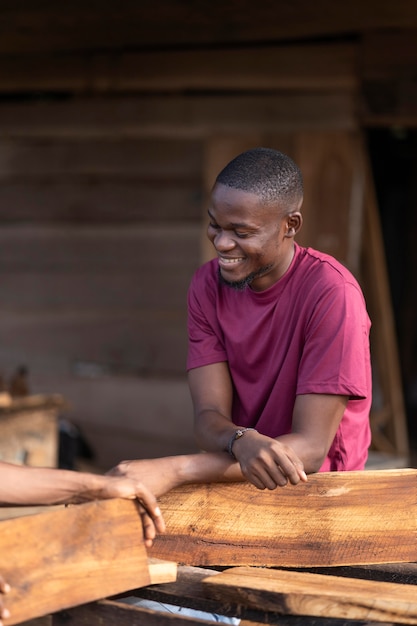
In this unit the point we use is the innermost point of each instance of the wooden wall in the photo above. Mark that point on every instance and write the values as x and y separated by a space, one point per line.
104 165
99 237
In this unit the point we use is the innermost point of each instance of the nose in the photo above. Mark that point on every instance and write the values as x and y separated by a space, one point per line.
223 241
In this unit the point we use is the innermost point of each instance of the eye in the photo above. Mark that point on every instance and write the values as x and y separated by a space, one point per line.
241 235
211 225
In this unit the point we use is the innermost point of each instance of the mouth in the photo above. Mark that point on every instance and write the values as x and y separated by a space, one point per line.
229 262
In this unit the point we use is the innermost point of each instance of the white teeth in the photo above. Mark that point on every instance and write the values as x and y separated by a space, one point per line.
231 261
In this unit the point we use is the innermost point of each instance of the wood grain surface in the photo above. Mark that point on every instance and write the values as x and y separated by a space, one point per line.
343 518
295 593
69 556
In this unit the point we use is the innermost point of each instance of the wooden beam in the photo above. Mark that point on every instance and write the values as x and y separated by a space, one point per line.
41 27
317 67
341 518
69 556
388 55
296 593
309 600
387 73
176 116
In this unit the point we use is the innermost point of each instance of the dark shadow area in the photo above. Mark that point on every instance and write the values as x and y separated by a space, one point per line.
393 155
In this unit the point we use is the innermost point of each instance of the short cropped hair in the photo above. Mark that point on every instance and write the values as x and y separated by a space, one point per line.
268 173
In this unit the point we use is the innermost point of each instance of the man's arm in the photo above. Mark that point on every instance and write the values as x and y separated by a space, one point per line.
316 418
265 462
212 395
22 485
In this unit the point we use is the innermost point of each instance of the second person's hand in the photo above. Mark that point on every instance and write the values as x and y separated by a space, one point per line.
266 462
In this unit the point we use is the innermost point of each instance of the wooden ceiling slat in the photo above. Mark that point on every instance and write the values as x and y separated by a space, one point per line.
187 117
325 66
388 76
44 26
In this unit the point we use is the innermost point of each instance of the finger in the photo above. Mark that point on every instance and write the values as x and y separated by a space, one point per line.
159 522
4 613
278 478
267 478
302 474
149 501
289 468
271 474
149 530
4 587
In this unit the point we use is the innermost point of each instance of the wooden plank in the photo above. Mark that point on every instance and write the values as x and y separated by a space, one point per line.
296 593
377 60
113 292
137 342
388 80
45 27
99 201
400 573
190 116
74 555
317 66
115 158
123 248
190 586
190 591
342 518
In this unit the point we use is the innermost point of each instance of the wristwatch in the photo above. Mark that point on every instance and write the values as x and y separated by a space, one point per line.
236 435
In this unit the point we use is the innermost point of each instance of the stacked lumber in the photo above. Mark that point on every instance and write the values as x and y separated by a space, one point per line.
338 550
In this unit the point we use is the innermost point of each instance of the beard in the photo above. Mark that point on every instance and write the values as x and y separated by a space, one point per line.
241 285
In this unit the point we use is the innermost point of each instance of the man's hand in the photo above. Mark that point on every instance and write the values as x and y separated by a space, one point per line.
159 475
266 462
4 588
132 489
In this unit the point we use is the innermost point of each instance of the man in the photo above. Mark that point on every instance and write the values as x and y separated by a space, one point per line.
279 334
279 362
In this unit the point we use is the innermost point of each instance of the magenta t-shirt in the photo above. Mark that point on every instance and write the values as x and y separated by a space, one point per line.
307 333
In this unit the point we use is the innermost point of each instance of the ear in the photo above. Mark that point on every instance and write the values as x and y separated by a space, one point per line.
294 223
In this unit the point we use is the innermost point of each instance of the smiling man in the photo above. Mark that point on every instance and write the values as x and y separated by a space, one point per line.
279 362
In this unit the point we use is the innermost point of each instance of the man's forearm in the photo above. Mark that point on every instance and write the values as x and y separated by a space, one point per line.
163 474
213 431
22 485
210 467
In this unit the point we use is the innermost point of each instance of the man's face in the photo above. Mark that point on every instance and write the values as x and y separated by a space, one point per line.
249 238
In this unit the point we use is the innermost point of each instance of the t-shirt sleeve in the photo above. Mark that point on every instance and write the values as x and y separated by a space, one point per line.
205 338
336 357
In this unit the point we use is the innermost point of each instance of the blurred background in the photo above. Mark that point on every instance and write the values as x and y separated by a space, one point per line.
115 118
